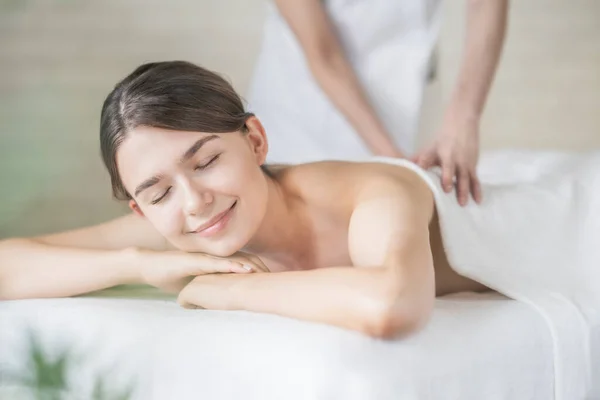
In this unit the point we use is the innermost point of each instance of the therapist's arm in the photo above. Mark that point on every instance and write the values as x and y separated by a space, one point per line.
456 145
486 27
333 72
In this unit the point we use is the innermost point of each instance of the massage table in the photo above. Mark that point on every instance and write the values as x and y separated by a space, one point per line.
477 346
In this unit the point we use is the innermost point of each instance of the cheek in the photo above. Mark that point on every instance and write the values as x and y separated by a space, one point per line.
233 178
254 197
166 220
247 184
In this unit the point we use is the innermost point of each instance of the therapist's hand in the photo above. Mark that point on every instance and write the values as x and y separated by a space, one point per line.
456 150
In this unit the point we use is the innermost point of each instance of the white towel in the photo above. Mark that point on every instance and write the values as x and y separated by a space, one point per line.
537 241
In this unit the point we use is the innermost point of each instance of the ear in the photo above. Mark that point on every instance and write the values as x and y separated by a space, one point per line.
135 208
258 139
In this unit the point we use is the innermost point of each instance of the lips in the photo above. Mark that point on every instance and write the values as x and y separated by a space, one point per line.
216 223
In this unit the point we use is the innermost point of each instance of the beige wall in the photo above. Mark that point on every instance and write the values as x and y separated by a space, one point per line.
547 91
58 59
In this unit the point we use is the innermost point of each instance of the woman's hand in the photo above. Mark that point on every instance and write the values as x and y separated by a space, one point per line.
456 151
171 271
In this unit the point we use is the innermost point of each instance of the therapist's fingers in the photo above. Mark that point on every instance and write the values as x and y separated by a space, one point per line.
448 171
476 188
463 185
427 159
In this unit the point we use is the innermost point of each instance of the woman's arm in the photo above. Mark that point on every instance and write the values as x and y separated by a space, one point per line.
30 269
77 261
393 297
331 69
126 250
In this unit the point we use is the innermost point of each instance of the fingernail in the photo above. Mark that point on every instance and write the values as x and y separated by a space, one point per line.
247 267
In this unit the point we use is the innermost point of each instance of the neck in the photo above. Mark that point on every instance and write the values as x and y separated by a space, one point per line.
281 234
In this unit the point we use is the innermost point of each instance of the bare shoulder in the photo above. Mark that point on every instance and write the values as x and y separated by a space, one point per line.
350 184
382 205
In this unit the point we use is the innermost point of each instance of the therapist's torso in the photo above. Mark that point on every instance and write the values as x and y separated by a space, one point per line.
388 42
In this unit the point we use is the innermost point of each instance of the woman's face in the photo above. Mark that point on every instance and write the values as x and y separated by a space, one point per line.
203 192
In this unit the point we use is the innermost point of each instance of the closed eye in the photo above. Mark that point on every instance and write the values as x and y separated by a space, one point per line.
200 167
159 199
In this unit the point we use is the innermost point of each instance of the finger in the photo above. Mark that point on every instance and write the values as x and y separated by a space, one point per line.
428 160
476 188
259 263
448 171
243 268
416 158
252 261
463 181
210 265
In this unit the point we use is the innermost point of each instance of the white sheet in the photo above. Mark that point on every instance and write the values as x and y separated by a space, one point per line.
476 347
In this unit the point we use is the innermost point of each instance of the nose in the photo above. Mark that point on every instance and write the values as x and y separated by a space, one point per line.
195 200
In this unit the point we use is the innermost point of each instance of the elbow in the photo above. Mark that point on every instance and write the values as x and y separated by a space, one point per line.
398 319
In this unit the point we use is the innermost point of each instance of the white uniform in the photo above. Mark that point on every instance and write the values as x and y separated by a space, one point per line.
388 42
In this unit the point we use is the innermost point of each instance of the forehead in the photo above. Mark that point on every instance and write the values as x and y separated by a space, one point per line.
156 139
148 151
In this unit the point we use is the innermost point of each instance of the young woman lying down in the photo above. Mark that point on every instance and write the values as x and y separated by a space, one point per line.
351 244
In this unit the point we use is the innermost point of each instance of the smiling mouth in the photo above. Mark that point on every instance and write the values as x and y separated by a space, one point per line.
216 224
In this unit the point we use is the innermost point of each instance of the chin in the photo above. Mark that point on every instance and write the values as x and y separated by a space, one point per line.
224 247
227 248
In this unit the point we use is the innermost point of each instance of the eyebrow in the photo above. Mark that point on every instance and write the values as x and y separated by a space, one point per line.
186 156
146 184
195 147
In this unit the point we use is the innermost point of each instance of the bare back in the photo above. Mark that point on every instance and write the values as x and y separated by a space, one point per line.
329 190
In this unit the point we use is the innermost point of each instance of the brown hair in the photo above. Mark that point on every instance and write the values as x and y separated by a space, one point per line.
175 95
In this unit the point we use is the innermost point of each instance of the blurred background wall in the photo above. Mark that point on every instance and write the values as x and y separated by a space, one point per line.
59 59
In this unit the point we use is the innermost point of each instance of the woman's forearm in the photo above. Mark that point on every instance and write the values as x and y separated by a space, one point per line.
486 27
338 80
340 296
367 300
29 269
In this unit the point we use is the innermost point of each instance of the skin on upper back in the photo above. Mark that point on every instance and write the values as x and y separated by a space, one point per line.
359 209
347 202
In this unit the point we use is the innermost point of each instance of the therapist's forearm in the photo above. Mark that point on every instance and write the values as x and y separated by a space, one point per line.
486 27
338 80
